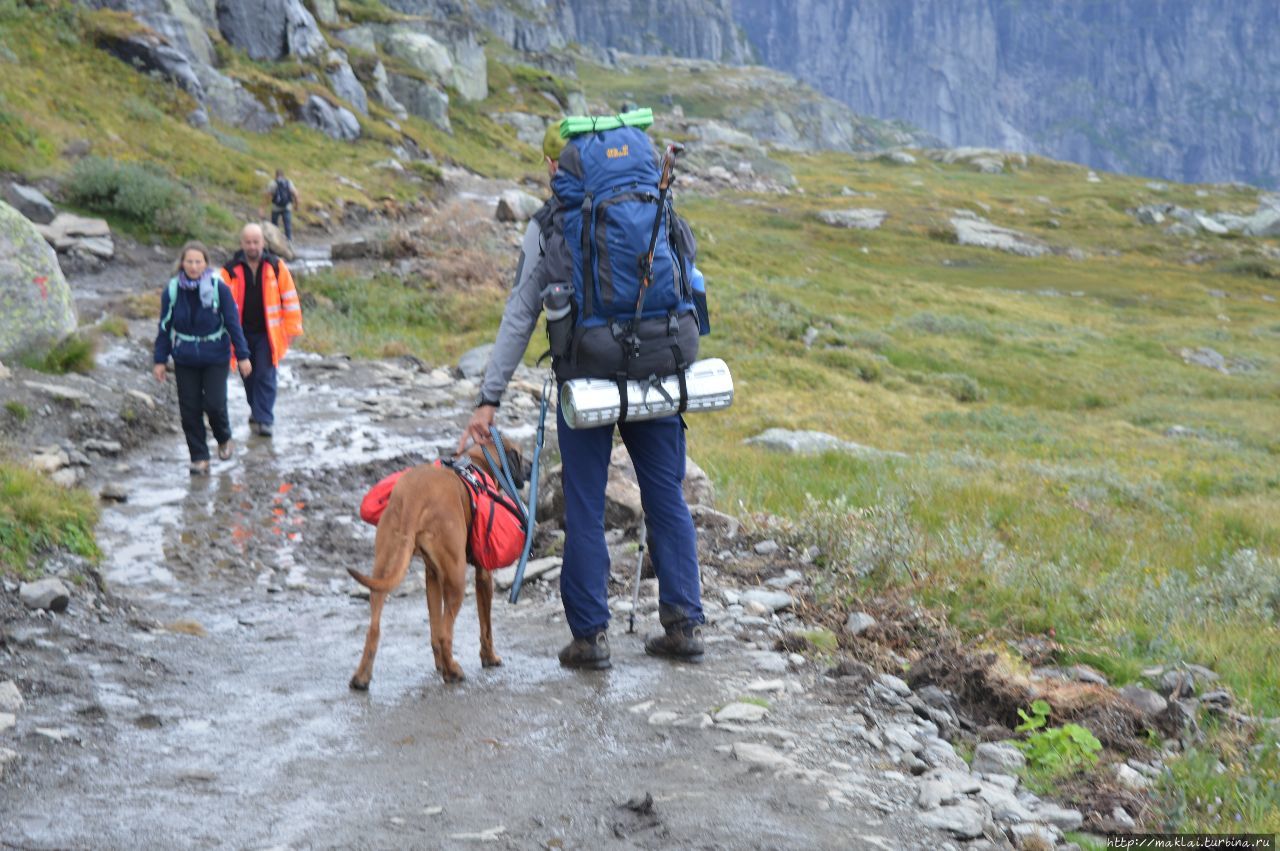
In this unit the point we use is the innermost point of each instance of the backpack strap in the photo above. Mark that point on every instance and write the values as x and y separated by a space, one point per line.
588 278
175 335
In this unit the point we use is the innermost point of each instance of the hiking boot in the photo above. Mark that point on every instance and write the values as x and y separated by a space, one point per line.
590 653
224 451
681 642
264 430
199 468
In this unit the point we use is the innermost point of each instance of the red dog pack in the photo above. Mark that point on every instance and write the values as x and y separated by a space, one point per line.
497 526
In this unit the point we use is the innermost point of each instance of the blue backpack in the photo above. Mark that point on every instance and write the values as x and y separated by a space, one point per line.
607 187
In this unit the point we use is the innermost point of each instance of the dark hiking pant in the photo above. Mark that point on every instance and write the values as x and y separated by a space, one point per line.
657 449
202 390
260 386
287 215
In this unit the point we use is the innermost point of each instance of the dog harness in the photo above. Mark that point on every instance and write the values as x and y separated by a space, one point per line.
497 531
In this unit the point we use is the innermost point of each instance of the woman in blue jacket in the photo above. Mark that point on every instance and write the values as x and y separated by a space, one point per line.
199 322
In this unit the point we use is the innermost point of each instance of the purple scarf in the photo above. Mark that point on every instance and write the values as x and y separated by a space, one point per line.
204 283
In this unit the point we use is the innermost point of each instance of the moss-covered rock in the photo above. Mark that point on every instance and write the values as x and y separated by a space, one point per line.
35 301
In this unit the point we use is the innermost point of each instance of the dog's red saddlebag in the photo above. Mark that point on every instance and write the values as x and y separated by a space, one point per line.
375 501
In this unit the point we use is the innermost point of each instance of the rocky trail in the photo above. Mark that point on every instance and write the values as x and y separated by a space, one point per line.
194 691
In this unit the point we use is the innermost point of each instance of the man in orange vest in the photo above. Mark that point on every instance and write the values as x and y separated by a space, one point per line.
270 315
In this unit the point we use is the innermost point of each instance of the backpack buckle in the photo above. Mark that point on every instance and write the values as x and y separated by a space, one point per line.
673 325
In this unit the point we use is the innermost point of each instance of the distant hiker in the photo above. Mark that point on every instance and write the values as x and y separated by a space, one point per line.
284 197
271 316
198 326
592 326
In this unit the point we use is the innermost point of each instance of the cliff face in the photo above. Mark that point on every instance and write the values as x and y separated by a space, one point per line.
1184 89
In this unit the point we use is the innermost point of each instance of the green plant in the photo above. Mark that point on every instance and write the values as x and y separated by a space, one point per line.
114 326
138 193
37 515
73 353
1053 751
17 410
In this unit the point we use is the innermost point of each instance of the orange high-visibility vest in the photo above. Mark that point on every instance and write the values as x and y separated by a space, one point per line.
279 299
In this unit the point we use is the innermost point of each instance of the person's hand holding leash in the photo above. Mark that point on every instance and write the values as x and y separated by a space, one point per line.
245 367
478 429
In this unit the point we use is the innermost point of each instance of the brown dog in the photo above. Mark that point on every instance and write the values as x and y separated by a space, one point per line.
429 513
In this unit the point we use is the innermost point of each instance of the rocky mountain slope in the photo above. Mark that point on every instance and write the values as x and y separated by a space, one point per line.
1183 89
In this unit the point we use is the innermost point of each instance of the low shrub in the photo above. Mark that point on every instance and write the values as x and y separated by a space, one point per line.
137 193
73 353
36 515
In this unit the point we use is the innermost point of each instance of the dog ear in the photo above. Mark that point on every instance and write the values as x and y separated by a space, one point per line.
516 463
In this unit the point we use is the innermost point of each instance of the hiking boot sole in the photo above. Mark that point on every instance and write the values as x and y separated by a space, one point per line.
695 659
593 665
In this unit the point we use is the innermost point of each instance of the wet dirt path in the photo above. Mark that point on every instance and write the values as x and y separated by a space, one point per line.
217 715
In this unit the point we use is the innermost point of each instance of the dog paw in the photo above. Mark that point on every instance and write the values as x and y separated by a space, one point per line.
358 684
492 662
453 675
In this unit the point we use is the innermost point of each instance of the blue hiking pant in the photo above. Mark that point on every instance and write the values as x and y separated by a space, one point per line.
657 450
287 216
260 386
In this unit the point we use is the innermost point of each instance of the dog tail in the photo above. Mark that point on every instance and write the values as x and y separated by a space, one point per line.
393 550
384 585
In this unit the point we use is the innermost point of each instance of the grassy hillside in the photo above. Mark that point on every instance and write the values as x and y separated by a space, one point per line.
48 52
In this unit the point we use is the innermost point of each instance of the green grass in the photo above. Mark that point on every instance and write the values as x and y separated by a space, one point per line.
73 353
37 515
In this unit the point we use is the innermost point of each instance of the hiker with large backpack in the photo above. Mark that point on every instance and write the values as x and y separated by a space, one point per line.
612 265
199 324
284 198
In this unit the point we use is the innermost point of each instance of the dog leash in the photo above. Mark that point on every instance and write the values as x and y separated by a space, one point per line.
503 473
547 386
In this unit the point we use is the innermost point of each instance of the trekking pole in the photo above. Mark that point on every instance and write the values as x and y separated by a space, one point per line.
531 515
646 261
635 591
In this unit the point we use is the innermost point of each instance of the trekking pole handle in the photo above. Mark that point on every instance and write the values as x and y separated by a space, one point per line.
674 150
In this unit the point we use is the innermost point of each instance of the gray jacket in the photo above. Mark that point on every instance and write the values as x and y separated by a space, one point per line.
544 259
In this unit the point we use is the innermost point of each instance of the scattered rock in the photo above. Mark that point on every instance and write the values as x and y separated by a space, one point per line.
997 758
663 719
964 821
30 202
1144 700
898 158
102 447
473 363
858 218
741 713
504 577
765 548
60 392
894 684
760 755
69 233
773 601
1130 779
10 698
7 721
983 234
812 443
517 206
1060 817
858 623
48 594
114 492
1206 357
935 793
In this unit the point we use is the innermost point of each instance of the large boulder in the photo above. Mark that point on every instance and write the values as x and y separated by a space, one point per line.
30 203
149 52
420 51
35 301
517 206
421 99
382 91
276 241
344 83
268 30
336 122
859 218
